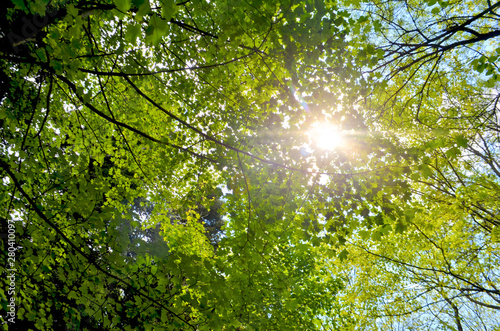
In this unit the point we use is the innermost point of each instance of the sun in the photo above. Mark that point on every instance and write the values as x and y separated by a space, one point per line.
326 136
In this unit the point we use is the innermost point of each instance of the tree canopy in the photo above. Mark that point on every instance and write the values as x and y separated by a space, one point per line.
250 165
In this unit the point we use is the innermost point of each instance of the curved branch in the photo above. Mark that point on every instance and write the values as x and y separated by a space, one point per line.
126 126
5 166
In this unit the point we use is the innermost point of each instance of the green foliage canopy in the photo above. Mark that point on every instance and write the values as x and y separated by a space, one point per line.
190 105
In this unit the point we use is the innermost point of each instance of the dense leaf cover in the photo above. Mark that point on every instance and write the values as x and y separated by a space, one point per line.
161 170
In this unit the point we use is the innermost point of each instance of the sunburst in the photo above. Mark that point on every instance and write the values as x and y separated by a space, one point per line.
326 136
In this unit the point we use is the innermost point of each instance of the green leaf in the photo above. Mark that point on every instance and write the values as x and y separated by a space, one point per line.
123 5
132 33
495 234
168 9
461 141
20 4
364 234
144 9
343 255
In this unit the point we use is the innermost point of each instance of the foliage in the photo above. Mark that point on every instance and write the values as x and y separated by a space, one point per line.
160 167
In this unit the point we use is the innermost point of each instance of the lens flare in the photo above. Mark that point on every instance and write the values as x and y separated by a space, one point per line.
327 137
